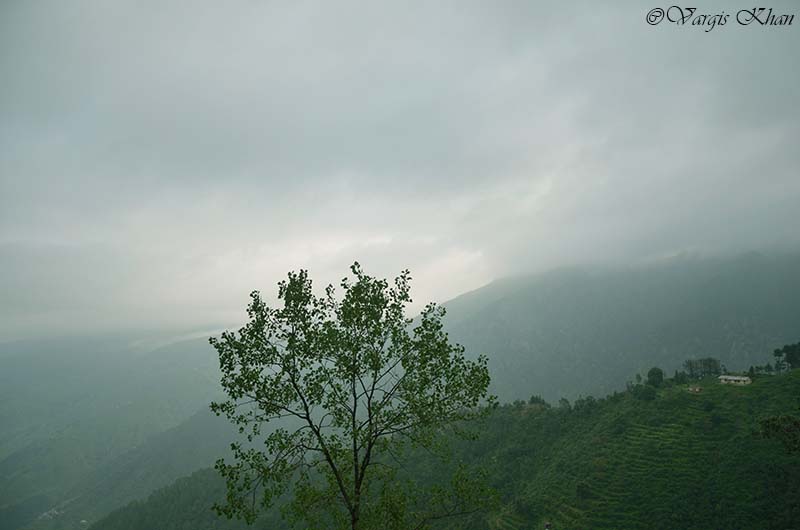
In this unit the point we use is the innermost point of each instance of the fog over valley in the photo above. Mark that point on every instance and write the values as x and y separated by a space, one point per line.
562 243
156 165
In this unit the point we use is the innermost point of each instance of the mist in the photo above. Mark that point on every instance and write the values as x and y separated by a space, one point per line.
160 161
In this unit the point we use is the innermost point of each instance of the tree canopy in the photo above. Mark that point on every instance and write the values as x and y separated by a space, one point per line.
699 368
655 376
785 428
788 356
348 383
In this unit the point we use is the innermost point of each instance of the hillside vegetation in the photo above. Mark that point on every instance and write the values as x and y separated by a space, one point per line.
631 460
74 414
586 331
88 425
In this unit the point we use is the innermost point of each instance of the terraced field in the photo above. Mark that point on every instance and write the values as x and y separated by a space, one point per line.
681 460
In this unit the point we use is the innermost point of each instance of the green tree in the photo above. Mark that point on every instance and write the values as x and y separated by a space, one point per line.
699 368
354 384
538 400
784 428
644 392
681 378
655 377
787 357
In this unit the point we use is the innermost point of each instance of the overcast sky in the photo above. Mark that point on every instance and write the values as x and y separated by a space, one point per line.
159 160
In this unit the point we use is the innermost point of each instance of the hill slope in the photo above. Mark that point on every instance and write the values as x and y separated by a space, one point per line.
134 474
578 331
70 410
681 460
84 438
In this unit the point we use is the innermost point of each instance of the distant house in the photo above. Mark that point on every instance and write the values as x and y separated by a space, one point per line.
735 380
695 389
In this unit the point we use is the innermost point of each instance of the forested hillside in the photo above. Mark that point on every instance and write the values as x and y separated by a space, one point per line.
75 413
134 474
586 331
631 460
289 256
88 426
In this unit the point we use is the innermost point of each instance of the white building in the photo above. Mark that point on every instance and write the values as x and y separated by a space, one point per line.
734 380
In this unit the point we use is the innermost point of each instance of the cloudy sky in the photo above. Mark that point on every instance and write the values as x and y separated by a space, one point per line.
159 160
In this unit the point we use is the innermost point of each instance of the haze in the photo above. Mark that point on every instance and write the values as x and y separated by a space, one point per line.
158 161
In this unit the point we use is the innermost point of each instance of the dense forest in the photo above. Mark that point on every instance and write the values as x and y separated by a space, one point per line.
634 460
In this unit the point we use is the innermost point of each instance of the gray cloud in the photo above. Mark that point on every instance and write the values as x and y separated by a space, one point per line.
159 161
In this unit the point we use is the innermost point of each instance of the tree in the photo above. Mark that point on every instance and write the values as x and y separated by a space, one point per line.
784 428
538 400
681 378
644 392
787 357
699 368
780 364
655 376
352 385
